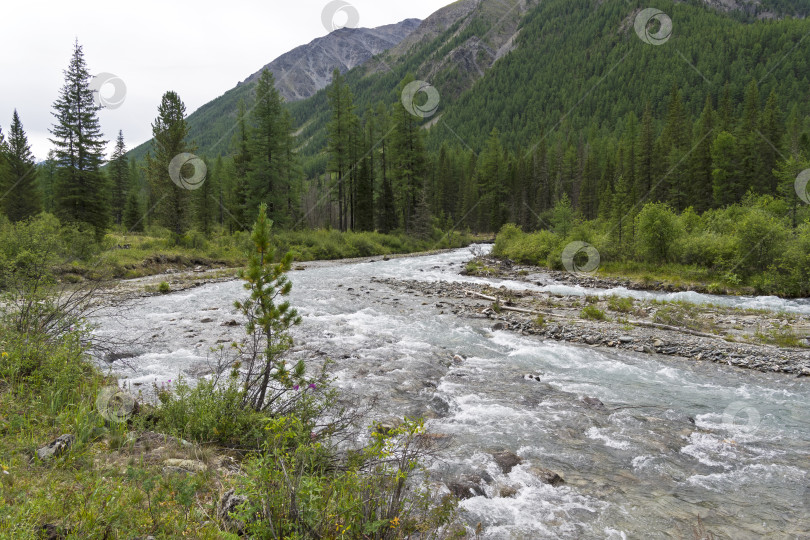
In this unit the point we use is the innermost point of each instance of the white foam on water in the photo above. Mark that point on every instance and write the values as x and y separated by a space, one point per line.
598 435
749 475
711 450
536 511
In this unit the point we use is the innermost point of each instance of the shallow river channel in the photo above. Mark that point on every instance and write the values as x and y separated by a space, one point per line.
677 439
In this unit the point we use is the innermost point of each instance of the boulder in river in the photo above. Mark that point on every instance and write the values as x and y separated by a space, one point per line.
466 487
593 403
439 405
506 460
546 476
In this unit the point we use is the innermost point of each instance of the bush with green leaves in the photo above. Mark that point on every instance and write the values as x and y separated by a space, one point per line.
657 232
592 313
296 490
622 304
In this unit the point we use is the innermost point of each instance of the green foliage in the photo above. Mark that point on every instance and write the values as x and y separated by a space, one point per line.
268 318
164 288
658 232
592 313
682 314
169 202
533 248
782 336
752 244
119 179
622 304
209 412
20 195
80 189
295 474
296 493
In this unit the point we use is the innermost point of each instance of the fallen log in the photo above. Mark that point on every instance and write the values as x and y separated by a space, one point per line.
510 308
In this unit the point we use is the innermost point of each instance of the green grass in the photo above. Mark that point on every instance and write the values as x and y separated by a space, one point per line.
592 313
781 336
621 304
154 253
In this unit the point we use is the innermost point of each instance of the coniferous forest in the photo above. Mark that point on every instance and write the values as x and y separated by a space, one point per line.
581 123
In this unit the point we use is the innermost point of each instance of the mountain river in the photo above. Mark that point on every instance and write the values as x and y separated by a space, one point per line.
677 439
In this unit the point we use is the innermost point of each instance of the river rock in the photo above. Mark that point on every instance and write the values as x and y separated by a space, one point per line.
439 405
593 403
507 492
499 326
466 487
230 323
207 320
546 476
56 447
506 460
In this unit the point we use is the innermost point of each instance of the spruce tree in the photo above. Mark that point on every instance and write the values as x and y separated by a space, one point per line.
770 127
386 208
266 151
701 193
725 182
645 166
169 131
119 178
409 159
4 188
205 203
339 148
622 215
749 142
238 191
365 197
46 179
21 198
80 191
132 217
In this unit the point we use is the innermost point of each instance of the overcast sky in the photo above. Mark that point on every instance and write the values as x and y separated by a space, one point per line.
198 49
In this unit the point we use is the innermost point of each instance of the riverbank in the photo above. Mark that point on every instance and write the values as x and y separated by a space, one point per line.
763 340
137 256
